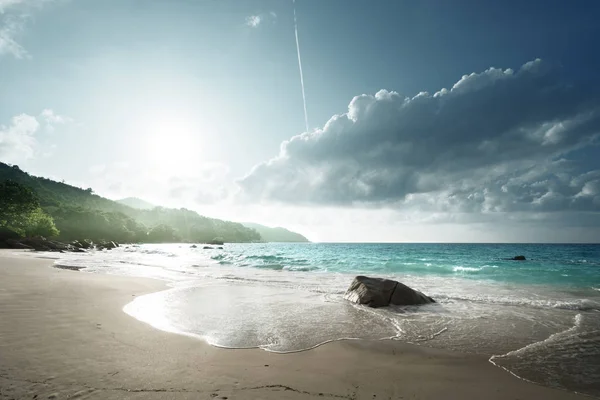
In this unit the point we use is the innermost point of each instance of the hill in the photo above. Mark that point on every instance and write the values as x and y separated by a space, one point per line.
275 234
80 214
267 234
136 203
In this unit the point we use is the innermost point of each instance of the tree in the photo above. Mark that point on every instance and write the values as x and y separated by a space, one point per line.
20 211
16 200
16 203
163 234
40 224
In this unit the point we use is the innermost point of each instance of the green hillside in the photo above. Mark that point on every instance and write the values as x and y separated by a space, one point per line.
80 214
267 234
275 234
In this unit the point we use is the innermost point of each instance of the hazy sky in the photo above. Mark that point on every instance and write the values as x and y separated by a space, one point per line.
429 120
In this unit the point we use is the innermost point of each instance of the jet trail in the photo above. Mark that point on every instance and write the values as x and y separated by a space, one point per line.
300 66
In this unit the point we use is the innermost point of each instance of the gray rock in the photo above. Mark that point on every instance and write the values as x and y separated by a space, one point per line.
106 245
15 244
378 292
6 235
405 296
39 244
519 258
374 292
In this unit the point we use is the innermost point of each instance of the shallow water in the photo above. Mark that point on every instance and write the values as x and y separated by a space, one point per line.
539 318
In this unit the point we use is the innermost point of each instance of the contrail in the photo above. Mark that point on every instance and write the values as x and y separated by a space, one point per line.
300 66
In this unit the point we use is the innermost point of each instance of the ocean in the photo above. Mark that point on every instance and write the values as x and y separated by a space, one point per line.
538 319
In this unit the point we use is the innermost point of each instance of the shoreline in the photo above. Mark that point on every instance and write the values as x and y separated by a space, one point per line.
73 325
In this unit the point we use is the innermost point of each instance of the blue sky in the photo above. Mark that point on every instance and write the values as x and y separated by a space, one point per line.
191 103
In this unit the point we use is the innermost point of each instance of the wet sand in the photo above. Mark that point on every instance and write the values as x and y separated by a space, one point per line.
63 334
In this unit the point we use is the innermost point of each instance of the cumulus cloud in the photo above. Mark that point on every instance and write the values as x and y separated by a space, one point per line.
254 21
18 141
496 141
51 119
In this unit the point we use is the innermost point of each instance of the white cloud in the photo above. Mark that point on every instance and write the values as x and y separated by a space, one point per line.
11 27
13 18
5 4
491 144
254 21
18 141
52 119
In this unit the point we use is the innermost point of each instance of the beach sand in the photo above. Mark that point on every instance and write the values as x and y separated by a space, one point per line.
63 334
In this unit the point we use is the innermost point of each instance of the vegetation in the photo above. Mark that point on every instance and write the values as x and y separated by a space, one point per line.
276 234
20 211
34 206
39 206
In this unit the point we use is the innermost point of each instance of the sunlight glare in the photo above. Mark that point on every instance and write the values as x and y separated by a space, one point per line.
171 140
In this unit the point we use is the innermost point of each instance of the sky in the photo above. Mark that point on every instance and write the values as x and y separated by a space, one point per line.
428 121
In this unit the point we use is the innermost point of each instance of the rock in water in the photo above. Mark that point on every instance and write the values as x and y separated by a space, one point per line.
519 258
374 292
405 296
378 292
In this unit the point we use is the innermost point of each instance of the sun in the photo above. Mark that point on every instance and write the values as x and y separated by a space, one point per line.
170 140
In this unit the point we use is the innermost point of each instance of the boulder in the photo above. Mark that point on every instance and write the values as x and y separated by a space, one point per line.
519 258
74 249
77 244
193 246
39 244
106 245
58 246
378 292
207 247
374 292
6 235
15 244
405 296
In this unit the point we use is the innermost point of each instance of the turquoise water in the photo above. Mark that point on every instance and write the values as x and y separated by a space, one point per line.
539 318
569 265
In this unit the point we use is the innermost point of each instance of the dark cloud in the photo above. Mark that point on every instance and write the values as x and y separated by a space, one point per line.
498 141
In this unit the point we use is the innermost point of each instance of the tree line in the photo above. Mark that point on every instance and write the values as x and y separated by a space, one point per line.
34 206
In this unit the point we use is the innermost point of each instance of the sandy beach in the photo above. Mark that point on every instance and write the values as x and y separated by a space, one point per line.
63 334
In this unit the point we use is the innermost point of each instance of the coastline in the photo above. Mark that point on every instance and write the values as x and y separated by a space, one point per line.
63 333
